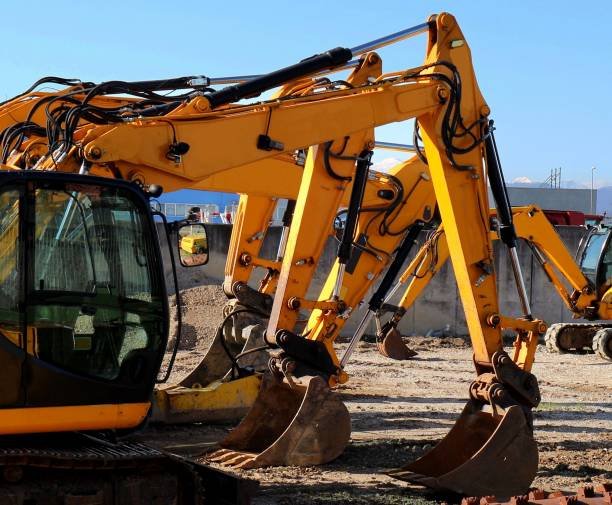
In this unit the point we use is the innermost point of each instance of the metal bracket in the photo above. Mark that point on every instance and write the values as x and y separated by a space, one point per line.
522 383
252 298
507 386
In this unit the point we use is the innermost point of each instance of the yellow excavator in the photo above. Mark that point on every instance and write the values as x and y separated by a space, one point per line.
594 256
590 280
90 281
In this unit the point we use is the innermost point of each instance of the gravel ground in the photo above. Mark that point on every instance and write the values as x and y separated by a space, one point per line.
400 409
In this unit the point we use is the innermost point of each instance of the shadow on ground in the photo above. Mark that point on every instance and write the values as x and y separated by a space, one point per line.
384 493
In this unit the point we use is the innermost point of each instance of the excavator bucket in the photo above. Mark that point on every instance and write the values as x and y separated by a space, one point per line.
304 424
391 345
216 363
482 455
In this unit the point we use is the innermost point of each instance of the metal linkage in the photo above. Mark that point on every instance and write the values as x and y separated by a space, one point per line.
394 146
378 297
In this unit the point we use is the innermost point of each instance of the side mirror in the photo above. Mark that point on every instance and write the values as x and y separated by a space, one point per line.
192 244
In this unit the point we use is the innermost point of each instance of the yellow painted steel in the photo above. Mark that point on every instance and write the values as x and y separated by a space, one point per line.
248 232
219 401
223 155
299 122
313 119
16 421
317 203
462 197
193 243
418 204
531 225
605 307
228 181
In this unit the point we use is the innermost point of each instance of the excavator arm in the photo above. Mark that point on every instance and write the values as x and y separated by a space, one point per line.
184 143
459 183
536 230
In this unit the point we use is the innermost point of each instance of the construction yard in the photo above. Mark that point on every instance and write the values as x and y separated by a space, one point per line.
400 409
286 254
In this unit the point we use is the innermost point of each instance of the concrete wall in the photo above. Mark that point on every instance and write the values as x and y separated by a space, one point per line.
552 198
439 306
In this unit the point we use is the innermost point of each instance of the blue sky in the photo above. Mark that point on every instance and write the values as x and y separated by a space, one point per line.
544 67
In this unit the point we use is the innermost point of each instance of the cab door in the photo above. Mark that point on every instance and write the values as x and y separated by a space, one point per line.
95 293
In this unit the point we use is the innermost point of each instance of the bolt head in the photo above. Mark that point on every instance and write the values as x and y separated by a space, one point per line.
95 153
373 59
445 21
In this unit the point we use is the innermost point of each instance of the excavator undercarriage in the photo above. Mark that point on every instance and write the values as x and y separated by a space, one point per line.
79 469
578 337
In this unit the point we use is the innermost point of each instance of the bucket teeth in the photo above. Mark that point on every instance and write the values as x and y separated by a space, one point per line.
234 459
221 455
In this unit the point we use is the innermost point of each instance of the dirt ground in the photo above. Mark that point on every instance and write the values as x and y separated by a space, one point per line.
401 409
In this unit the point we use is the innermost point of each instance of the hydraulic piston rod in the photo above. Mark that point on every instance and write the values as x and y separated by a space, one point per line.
507 233
378 297
392 38
366 47
394 146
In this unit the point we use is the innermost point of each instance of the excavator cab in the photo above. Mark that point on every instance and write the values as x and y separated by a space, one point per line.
595 256
83 307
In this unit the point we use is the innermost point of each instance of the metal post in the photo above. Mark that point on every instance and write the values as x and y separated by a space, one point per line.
592 187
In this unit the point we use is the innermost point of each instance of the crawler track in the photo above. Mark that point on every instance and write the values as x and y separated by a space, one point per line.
78 470
571 337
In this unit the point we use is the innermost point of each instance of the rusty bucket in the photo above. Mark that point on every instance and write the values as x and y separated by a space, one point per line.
484 454
391 345
297 424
